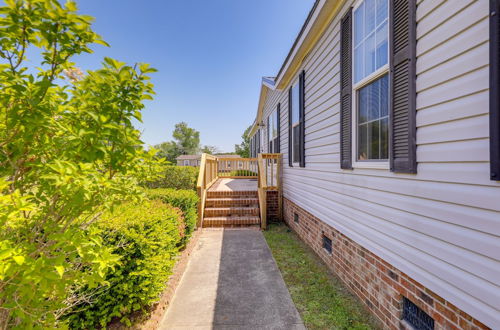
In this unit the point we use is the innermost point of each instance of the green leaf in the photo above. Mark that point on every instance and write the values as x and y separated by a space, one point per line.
60 270
18 259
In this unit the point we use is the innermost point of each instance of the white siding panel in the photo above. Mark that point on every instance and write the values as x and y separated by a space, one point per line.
441 226
463 129
476 150
453 47
469 83
468 106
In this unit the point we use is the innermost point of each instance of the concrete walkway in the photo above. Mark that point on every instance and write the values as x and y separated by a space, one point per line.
232 282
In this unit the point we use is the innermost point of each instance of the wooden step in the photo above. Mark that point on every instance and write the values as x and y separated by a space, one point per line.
231 201
229 194
229 211
232 221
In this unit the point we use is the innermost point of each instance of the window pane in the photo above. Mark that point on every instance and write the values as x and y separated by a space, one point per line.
369 16
275 124
358 63
373 139
384 96
369 55
373 120
382 11
382 50
363 105
359 14
384 140
373 97
295 103
269 123
370 38
296 145
362 142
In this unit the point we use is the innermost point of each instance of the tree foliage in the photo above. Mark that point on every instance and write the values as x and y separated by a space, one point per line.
211 150
68 153
243 149
186 142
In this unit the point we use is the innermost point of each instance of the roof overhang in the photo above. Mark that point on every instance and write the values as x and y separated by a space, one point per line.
320 16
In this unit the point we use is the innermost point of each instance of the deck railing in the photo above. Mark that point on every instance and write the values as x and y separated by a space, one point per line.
266 169
206 178
269 180
237 168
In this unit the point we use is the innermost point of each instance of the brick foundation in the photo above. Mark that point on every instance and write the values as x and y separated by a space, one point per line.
379 285
272 206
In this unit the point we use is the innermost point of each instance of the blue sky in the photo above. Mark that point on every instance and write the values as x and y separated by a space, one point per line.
210 55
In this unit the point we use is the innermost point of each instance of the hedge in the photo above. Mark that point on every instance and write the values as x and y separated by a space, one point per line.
147 237
242 173
177 177
186 200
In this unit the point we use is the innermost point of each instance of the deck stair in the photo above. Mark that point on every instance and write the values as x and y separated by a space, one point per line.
231 209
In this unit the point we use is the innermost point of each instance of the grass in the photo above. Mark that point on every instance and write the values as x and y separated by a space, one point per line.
321 299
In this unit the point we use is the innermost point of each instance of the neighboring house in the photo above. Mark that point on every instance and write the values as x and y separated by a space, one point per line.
387 116
188 160
229 165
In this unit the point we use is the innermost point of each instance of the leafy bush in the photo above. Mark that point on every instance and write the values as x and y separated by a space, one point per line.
186 200
242 173
176 177
69 151
146 237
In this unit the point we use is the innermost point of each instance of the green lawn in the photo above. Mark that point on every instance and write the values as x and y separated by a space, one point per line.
321 299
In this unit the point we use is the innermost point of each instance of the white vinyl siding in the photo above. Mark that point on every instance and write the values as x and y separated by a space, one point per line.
442 225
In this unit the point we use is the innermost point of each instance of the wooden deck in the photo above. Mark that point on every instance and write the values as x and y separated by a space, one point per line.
225 184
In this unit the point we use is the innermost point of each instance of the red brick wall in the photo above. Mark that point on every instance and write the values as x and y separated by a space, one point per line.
379 285
272 206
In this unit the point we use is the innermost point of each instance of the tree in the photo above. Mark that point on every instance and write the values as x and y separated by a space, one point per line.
168 150
211 150
187 139
243 149
68 153
186 142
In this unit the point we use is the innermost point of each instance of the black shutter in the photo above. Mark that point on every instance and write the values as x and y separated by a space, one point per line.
290 160
302 119
277 148
346 91
403 42
495 90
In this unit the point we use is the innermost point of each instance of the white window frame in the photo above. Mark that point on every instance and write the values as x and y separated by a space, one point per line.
186 164
370 163
296 83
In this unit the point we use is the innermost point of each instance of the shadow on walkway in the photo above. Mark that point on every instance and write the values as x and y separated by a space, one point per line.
232 282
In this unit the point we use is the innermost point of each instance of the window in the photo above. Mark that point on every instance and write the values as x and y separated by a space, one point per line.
272 132
186 162
295 122
371 82
327 244
416 317
295 218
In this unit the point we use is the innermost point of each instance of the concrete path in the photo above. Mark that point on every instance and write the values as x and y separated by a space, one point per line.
232 282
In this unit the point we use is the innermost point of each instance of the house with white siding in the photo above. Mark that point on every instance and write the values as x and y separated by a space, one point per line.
387 116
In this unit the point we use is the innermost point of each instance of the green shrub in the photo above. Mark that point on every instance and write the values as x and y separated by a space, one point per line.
242 173
146 237
177 177
186 200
